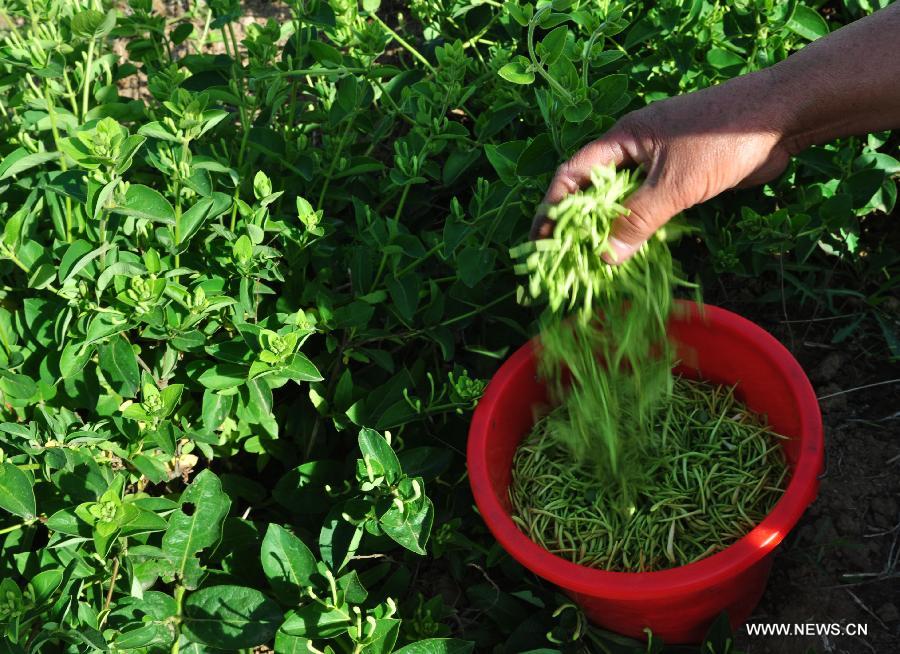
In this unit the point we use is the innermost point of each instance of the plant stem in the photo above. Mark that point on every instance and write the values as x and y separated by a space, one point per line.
177 226
88 73
475 312
21 525
500 212
245 137
319 70
424 257
202 41
401 203
334 161
62 160
234 45
397 111
539 67
179 600
225 43
482 31
405 44
112 586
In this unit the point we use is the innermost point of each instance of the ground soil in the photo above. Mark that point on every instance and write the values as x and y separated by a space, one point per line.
841 564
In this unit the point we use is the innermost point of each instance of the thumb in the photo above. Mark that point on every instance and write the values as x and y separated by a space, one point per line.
649 208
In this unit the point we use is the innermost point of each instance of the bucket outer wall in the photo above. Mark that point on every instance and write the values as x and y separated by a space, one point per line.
672 619
679 604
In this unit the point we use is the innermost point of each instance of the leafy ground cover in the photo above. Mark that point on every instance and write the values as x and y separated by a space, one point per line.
254 277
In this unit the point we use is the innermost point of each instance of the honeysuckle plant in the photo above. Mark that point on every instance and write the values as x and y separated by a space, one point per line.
234 258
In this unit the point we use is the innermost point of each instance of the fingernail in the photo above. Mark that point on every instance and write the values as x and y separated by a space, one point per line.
619 251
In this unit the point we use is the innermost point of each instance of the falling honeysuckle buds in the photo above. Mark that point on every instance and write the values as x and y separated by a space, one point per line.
619 319
567 269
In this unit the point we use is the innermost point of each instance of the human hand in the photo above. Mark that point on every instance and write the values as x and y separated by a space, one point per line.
692 147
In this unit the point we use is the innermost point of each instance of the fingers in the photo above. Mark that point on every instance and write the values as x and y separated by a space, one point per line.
576 173
650 207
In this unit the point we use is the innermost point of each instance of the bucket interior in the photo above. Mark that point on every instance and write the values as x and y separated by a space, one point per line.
710 350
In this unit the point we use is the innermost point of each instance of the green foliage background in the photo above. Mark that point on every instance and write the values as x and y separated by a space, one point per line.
247 312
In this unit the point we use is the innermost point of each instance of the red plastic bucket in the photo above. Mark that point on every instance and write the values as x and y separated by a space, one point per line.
678 604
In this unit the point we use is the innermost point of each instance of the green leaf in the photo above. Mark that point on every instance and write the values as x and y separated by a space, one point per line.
216 408
405 294
20 160
127 151
146 203
258 399
73 358
169 397
197 524
807 23
426 461
193 218
119 269
315 621
180 33
383 637
641 31
325 54
722 59
222 376
45 584
719 635
66 522
16 385
301 369
438 646
518 71
287 644
551 46
12 230
862 185
142 522
351 585
262 186
379 456
610 93
242 249
104 325
355 314
538 158
518 13
287 562
411 526
230 617
157 131
503 158
474 264
578 112
153 469
145 636
302 490
92 24
119 365
76 251
339 539
16 492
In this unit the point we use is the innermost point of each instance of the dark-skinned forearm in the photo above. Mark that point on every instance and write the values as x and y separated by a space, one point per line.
845 84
